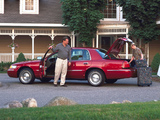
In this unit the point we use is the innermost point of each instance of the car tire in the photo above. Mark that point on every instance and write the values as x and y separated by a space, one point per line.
96 77
111 81
45 80
26 76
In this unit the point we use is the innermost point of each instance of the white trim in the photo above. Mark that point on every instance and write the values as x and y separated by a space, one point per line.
31 25
1 6
121 14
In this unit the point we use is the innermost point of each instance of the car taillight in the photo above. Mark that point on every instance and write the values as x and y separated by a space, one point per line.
125 64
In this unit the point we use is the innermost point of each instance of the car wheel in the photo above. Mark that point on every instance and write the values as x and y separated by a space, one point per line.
45 80
26 76
96 77
111 81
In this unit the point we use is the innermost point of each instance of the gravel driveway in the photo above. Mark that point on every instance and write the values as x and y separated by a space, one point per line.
79 91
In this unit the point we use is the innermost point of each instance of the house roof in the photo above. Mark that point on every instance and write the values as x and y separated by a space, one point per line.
49 12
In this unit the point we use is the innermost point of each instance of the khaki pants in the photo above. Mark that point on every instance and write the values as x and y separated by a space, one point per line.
60 68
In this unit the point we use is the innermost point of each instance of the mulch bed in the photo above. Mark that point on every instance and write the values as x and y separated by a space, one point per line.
156 79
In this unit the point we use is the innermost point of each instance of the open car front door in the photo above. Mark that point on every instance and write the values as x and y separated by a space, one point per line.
42 65
117 46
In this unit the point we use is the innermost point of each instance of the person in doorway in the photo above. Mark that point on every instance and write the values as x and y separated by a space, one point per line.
137 53
64 53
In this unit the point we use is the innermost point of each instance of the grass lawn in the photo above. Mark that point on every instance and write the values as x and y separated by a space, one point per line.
127 111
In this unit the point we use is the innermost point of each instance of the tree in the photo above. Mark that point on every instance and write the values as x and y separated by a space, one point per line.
142 15
20 57
155 62
82 16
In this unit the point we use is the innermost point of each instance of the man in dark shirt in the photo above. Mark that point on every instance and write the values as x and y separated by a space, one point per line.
64 53
137 53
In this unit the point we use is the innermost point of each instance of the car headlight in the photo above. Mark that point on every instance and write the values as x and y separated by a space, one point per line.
13 66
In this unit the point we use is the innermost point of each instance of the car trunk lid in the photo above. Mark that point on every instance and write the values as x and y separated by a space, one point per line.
117 46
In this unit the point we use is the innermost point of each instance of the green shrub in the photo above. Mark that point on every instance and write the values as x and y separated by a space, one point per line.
155 62
1 66
20 57
4 66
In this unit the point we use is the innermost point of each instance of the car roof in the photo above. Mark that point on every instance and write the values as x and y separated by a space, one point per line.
87 48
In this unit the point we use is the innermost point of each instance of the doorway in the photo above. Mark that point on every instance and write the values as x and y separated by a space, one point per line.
105 42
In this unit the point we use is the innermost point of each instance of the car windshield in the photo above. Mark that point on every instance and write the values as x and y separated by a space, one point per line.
102 53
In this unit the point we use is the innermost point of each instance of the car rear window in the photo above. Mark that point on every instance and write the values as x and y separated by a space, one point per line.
102 53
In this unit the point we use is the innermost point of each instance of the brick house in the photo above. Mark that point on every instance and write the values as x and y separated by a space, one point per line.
34 24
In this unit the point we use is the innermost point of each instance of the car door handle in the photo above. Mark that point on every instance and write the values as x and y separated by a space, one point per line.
85 63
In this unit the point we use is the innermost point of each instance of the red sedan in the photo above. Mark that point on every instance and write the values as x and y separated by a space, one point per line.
92 64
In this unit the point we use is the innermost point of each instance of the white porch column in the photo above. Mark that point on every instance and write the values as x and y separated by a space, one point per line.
32 36
126 44
13 53
93 43
73 39
97 39
13 37
52 36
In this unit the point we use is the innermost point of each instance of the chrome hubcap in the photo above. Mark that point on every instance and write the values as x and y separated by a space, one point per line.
95 78
26 77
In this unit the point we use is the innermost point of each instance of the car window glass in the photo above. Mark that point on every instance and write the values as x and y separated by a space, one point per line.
86 55
79 54
53 56
102 53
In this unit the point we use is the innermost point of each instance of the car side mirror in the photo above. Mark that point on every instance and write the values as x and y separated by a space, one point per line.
39 58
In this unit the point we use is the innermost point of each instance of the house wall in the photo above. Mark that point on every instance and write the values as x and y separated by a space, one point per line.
49 12
154 47
25 43
4 42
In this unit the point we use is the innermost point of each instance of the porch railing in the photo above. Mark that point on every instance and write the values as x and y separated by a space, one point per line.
7 57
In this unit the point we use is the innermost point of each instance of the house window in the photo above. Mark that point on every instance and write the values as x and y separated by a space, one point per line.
1 6
111 11
29 7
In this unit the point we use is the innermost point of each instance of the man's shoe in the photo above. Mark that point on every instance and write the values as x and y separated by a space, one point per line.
63 85
55 85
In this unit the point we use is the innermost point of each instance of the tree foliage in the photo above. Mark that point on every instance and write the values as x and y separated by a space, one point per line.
82 17
142 15
20 57
155 62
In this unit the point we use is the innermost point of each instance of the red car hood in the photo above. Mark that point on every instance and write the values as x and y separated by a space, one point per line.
117 46
27 62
